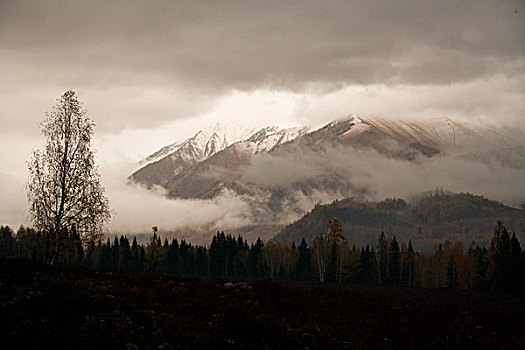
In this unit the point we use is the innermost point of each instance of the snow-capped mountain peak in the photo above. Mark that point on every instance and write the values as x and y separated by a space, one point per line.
203 144
172 159
267 138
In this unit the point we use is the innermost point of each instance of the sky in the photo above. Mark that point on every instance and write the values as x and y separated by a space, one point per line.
153 72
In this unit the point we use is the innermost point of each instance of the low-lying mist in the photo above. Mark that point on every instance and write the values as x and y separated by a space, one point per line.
367 172
136 209
279 189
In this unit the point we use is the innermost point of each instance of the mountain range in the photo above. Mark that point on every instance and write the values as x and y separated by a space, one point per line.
171 160
284 173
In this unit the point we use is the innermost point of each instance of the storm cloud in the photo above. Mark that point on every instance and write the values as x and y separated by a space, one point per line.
288 44
143 64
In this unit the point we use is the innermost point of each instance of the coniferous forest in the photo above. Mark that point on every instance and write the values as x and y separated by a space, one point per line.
163 294
329 259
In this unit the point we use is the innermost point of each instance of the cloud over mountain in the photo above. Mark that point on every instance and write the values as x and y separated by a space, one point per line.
367 158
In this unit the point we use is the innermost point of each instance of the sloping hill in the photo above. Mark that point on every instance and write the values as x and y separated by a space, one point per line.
427 221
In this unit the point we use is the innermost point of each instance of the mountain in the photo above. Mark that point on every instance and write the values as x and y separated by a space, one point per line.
280 174
170 160
287 166
218 153
401 138
208 178
427 221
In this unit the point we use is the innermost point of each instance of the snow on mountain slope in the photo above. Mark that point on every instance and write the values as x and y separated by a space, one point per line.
208 141
226 149
163 165
172 159
428 137
444 133
267 138
161 153
281 173
207 178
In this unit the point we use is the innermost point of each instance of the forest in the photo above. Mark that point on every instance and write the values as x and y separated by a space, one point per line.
329 259
428 219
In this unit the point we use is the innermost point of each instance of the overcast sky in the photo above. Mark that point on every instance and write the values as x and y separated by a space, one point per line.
151 72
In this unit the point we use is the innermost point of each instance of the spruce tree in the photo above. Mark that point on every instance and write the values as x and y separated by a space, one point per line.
393 267
382 255
173 257
135 256
452 274
411 265
304 262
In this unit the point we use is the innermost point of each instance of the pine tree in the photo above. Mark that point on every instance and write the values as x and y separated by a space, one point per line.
124 254
201 262
135 256
499 258
173 257
452 274
393 268
254 260
105 259
115 254
184 265
517 265
304 262
382 255
411 267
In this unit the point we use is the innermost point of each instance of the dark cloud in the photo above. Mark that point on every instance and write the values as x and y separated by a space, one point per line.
205 48
285 44
145 64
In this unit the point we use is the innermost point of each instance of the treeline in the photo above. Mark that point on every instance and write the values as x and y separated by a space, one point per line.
328 259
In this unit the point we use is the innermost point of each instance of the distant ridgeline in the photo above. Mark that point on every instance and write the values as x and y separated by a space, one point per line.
431 220
329 258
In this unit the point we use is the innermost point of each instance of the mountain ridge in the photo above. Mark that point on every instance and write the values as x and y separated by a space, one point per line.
427 221
282 173
170 160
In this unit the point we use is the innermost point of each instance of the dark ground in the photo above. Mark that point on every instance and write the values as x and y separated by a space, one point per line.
72 307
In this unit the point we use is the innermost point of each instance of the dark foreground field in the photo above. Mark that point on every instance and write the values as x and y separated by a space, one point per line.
69 307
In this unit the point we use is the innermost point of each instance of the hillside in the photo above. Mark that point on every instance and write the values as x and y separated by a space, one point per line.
427 221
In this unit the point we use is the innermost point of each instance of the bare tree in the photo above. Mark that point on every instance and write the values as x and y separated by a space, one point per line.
273 256
321 250
63 188
321 255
